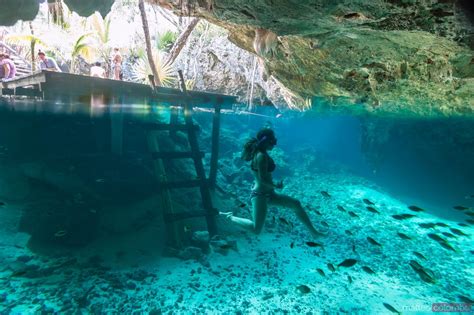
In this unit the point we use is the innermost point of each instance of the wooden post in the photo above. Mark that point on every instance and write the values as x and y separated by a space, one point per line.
173 120
201 174
216 122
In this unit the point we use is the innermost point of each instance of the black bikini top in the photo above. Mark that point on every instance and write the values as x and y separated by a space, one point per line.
271 164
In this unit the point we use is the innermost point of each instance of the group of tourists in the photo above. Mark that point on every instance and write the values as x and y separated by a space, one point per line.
8 67
97 70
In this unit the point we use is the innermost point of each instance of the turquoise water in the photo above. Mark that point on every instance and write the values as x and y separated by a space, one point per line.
82 228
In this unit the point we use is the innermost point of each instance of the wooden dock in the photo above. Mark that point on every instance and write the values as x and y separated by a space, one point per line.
49 85
71 88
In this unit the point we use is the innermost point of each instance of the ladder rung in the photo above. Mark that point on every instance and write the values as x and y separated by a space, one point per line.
157 126
175 155
170 217
181 184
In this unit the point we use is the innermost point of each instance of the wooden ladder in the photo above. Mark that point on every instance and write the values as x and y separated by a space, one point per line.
173 230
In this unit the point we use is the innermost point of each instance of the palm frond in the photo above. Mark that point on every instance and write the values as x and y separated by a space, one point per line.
142 69
23 39
83 48
165 40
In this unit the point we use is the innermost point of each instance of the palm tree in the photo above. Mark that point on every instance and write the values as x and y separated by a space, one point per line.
30 40
101 28
83 48
146 30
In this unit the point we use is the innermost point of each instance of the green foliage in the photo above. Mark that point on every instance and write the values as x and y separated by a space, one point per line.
84 48
165 41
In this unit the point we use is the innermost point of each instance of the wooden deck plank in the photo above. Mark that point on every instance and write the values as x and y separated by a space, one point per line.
56 84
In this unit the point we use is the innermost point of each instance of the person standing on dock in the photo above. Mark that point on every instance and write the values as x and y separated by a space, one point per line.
97 70
9 68
117 64
2 69
47 63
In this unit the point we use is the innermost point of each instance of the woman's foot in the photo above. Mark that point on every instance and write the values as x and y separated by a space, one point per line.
228 215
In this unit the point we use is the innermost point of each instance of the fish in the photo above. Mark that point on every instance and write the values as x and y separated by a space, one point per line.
419 255
60 233
372 241
18 273
242 205
461 208
447 234
349 278
447 246
304 289
2 203
227 246
404 236
458 232
324 223
471 214
314 244
436 238
325 194
352 214
425 274
317 212
465 299
403 216
353 248
463 224
321 272
441 224
426 225
368 202
415 208
284 221
348 263
469 197
368 270
391 308
348 232
292 244
470 221
372 209
341 208
331 267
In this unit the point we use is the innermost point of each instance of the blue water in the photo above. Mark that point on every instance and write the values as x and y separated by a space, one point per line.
81 211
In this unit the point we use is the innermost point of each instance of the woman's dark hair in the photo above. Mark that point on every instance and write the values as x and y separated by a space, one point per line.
253 145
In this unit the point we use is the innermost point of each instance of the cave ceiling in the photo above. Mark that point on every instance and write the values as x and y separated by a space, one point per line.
393 56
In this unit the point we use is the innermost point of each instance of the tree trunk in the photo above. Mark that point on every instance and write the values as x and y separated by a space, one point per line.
32 46
180 42
141 6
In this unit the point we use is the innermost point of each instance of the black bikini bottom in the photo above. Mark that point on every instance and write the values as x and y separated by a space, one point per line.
267 194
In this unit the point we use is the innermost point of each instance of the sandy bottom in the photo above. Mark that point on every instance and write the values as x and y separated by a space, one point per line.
275 271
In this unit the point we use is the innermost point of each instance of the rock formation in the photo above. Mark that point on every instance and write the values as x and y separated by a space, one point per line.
399 57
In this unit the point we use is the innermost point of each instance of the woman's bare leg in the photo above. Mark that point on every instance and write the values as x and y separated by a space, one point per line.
259 213
292 203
